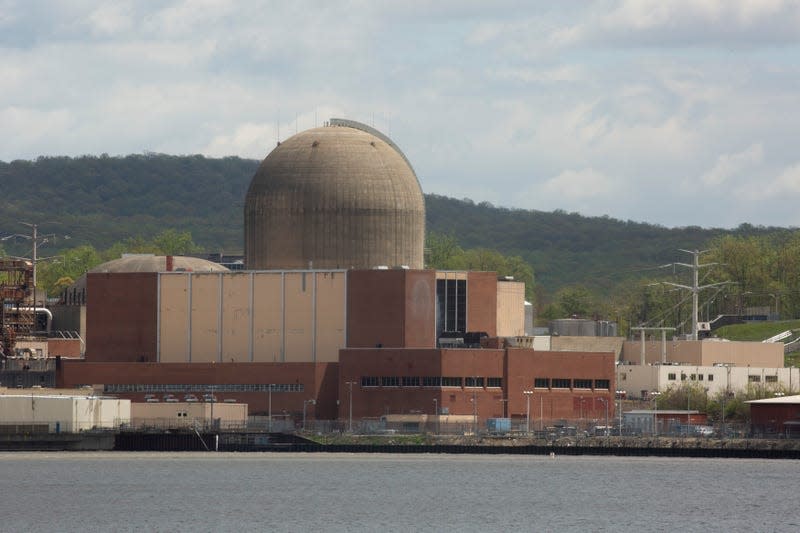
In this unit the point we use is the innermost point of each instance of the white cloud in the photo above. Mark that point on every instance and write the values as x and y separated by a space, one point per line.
484 99
783 187
584 183
731 165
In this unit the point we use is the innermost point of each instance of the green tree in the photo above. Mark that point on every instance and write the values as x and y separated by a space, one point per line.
173 242
54 276
442 251
577 301
688 395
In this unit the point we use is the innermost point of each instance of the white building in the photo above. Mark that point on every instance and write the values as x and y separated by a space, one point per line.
61 413
639 381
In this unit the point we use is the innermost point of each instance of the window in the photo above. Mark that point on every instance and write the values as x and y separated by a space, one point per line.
671 376
369 381
473 382
410 381
582 383
494 382
390 381
431 381
700 377
693 377
541 383
711 377
754 379
683 376
560 383
771 379
451 382
602 384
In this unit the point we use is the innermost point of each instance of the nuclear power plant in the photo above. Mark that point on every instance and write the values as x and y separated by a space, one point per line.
341 196
335 316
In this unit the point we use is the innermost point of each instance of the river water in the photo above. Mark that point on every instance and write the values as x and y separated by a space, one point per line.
117 491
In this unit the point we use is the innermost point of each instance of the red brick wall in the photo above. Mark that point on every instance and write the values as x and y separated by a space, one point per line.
318 380
771 417
375 308
482 302
524 365
516 367
121 317
420 309
64 347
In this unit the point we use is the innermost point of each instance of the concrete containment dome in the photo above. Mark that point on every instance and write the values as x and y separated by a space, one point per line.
158 263
340 196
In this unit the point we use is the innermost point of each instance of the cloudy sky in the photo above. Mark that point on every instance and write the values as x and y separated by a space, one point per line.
682 112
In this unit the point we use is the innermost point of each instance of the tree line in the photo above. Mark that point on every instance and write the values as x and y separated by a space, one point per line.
584 266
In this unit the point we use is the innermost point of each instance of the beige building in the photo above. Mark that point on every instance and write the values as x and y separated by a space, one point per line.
639 381
510 308
704 353
63 413
269 316
165 415
296 316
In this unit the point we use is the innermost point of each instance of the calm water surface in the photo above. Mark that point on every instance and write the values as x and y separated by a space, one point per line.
354 492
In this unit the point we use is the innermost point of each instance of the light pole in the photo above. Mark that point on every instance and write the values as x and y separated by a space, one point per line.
541 412
436 414
305 403
269 407
655 414
527 394
605 402
475 411
350 397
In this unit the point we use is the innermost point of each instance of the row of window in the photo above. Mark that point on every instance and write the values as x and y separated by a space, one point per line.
672 376
757 379
236 387
692 377
430 381
566 383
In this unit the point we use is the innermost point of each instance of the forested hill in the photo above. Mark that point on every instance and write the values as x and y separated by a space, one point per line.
103 200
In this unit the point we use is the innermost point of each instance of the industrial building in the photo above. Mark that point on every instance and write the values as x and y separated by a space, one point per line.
53 413
335 315
776 416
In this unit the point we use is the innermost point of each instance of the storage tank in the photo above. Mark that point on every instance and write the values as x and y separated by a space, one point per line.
573 327
339 196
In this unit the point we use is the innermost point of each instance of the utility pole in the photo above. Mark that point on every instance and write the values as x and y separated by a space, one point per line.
695 287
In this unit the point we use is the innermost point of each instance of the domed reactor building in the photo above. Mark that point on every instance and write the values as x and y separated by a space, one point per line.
342 196
335 315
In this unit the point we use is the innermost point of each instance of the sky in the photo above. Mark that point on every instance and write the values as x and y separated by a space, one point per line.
678 113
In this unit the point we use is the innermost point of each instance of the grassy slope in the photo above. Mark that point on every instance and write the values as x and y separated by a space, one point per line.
759 331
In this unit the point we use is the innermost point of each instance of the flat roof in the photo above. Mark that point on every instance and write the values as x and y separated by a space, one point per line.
778 400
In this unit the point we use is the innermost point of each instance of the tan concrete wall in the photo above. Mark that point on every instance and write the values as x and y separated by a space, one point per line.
267 317
706 352
174 318
330 316
236 317
205 317
186 414
510 308
299 288
587 344
766 354
288 317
